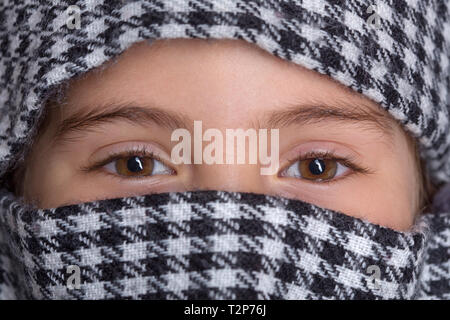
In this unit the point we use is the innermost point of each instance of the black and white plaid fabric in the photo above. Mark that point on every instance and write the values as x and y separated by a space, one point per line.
216 245
403 64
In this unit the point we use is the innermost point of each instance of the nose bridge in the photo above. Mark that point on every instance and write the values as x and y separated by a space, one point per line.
228 177
226 158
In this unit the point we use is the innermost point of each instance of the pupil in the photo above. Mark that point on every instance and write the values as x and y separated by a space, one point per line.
135 164
317 167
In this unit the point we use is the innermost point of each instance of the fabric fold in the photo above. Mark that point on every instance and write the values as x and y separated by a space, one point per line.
217 245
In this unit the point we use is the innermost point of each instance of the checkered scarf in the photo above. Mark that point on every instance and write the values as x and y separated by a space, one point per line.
216 245
220 245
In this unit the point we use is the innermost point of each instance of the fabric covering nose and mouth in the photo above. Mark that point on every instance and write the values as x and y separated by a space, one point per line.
214 245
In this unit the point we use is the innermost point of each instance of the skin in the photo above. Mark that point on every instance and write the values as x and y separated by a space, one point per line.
225 84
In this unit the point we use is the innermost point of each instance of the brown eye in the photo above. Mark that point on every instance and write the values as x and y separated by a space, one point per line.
134 166
318 169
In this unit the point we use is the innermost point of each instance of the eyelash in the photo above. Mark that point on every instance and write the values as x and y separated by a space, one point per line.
349 162
144 152
113 156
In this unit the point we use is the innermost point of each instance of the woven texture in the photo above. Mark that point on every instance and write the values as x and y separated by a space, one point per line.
403 65
216 245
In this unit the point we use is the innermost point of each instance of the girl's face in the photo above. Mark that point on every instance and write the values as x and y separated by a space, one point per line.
112 137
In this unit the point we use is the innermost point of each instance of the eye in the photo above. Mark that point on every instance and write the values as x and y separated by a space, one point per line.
137 166
316 169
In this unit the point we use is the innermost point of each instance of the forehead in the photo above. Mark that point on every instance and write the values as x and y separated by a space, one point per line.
226 82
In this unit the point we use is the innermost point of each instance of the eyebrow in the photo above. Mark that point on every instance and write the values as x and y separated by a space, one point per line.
308 114
82 120
292 114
